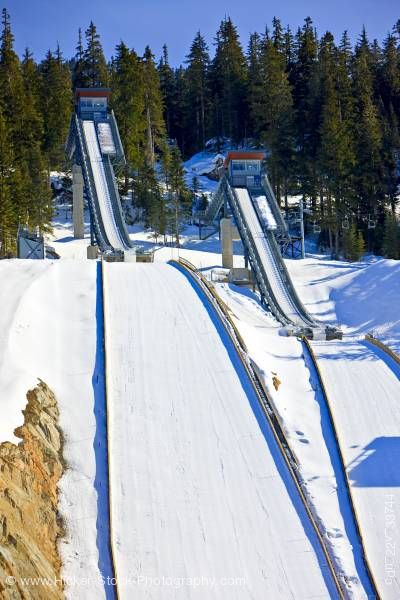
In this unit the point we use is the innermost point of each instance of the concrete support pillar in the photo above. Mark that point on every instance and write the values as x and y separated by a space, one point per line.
77 202
92 252
226 243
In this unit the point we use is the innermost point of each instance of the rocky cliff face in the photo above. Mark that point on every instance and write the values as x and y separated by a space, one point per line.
29 521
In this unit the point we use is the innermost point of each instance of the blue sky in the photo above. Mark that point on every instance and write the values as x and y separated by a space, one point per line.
39 24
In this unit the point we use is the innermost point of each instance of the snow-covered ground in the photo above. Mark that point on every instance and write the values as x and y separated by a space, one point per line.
49 330
363 385
203 491
362 297
305 419
199 166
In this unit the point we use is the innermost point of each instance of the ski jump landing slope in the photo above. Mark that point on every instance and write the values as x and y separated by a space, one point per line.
199 487
363 385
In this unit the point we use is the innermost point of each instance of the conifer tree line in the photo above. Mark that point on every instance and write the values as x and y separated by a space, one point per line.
327 113
35 105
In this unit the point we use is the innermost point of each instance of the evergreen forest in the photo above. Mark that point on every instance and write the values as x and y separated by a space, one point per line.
326 111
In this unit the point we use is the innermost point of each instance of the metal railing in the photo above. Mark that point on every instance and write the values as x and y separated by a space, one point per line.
307 322
287 281
116 202
100 234
254 257
117 138
273 203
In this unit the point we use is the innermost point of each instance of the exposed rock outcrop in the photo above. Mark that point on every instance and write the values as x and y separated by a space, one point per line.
30 524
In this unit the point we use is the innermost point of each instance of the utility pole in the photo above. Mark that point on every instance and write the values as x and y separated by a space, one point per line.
303 250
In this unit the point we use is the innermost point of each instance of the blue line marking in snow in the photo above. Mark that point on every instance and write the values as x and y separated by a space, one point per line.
100 448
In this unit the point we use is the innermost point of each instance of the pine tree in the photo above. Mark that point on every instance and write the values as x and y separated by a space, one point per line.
94 71
29 182
289 50
179 197
336 152
8 220
368 133
167 87
360 245
56 104
156 218
11 84
388 86
305 95
198 65
33 118
351 244
271 108
389 75
182 118
78 64
254 79
390 145
146 194
37 212
128 103
153 108
228 82
391 237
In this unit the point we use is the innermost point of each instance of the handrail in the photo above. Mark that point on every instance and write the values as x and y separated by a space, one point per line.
222 312
287 281
306 322
273 203
370 338
214 207
261 276
321 382
100 233
115 201
117 138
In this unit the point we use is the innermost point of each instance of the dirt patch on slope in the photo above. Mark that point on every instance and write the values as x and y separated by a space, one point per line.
30 525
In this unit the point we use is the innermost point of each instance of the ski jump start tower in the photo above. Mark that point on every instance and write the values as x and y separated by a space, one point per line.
94 148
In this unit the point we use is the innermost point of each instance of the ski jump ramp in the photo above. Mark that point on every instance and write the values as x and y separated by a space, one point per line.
203 505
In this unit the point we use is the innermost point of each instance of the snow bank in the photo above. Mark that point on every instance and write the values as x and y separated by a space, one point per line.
362 296
49 331
264 211
105 138
203 163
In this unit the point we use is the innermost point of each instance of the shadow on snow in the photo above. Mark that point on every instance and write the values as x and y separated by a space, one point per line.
265 430
101 449
378 464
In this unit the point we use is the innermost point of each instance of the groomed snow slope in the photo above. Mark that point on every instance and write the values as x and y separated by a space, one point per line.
362 296
364 390
100 181
304 415
199 488
48 330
